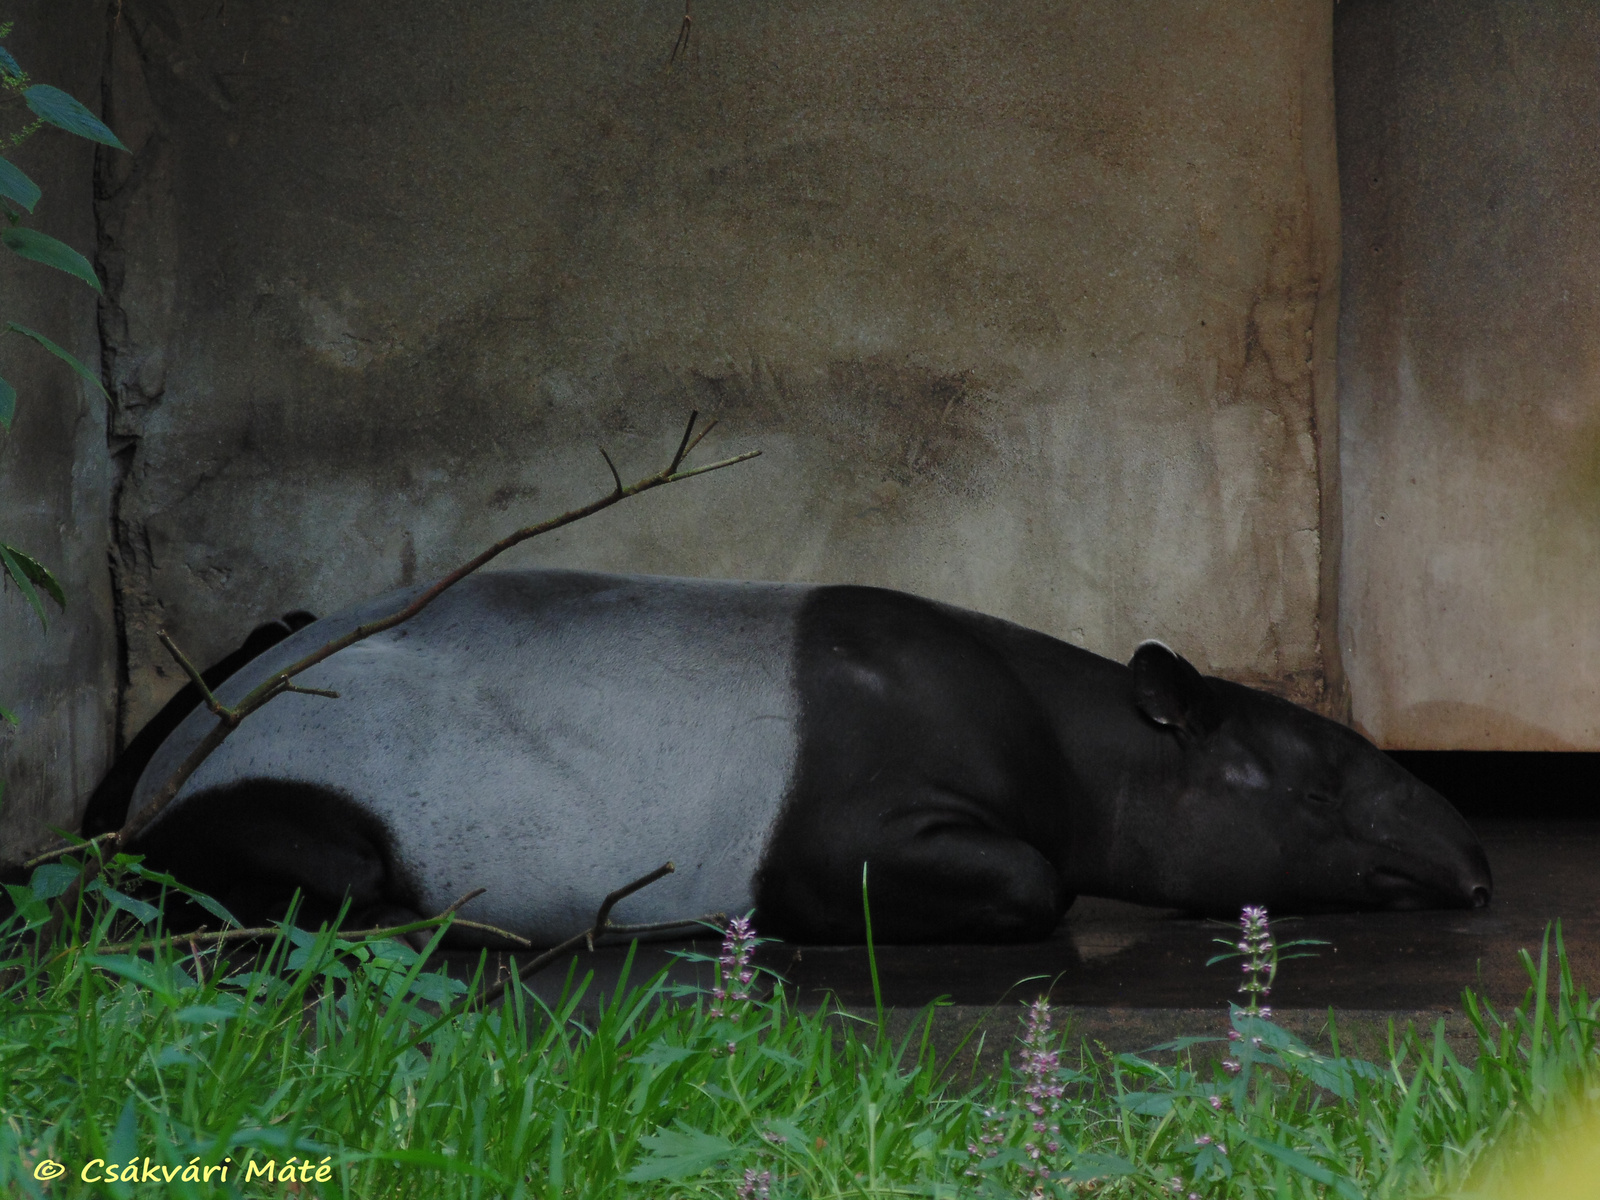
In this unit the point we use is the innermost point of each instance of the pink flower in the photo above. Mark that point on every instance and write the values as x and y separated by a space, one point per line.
755 1186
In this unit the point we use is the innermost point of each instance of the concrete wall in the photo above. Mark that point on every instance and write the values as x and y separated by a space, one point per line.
54 479
1469 371
1029 306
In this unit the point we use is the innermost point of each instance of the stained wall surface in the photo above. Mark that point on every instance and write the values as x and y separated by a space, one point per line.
1029 307
55 482
1469 371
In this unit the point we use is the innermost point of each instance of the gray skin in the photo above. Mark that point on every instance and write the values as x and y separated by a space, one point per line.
549 735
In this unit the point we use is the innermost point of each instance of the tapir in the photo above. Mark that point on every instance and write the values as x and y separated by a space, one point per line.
550 735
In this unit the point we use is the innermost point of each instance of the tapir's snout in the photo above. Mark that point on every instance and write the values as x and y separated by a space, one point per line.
1423 854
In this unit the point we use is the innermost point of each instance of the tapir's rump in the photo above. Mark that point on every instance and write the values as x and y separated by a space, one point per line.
549 735
542 735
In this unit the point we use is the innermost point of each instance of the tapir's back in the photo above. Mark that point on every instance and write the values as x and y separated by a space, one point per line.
533 732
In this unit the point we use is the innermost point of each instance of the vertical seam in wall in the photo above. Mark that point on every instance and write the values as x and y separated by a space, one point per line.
110 301
1320 159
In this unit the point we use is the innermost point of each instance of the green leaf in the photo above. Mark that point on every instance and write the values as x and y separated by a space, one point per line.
51 879
123 1145
161 978
19 576
678 1153
200 898
206 1014
14 185
8 404
8 65
61 110
37 575
63 355
1097 1166
6 715
137 909
1310 1169
41 247
1147 1104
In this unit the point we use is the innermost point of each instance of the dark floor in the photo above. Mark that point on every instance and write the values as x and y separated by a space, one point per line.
1109 955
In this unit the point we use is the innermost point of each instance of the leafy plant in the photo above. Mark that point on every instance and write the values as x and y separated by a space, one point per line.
37 105
121 1046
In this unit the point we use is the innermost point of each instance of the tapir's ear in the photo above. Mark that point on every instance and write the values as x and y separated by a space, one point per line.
1169 691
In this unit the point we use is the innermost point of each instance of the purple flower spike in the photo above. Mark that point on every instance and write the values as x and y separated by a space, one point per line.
738 940
1261 956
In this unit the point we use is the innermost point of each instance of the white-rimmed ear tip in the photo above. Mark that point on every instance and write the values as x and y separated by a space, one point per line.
1157 642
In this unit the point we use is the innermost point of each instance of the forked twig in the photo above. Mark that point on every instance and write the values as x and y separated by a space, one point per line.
602 926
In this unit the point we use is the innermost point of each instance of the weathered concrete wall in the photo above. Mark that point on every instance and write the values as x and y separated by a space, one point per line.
1469 371
54 483
1024 304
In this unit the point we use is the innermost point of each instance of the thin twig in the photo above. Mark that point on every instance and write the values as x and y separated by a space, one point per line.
700 437
70 848
617 478
716 918
467 899
196 678
347 935
682 44
683 446
304 691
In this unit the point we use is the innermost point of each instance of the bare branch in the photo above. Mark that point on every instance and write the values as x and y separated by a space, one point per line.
228 719
277 683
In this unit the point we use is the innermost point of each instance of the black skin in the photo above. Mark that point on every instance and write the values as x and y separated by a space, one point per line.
108 806
281 837
949 803
986 773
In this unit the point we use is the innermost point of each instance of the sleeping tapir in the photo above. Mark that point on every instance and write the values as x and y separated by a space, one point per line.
550 735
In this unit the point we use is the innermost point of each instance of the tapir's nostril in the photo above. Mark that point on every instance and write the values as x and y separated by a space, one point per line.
1480 896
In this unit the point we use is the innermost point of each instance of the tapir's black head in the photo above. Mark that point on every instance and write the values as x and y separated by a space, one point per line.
1275 805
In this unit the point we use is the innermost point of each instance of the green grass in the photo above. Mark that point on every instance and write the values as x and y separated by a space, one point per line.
353 1056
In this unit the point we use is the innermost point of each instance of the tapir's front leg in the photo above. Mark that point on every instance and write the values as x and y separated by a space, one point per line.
921 754
933 875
